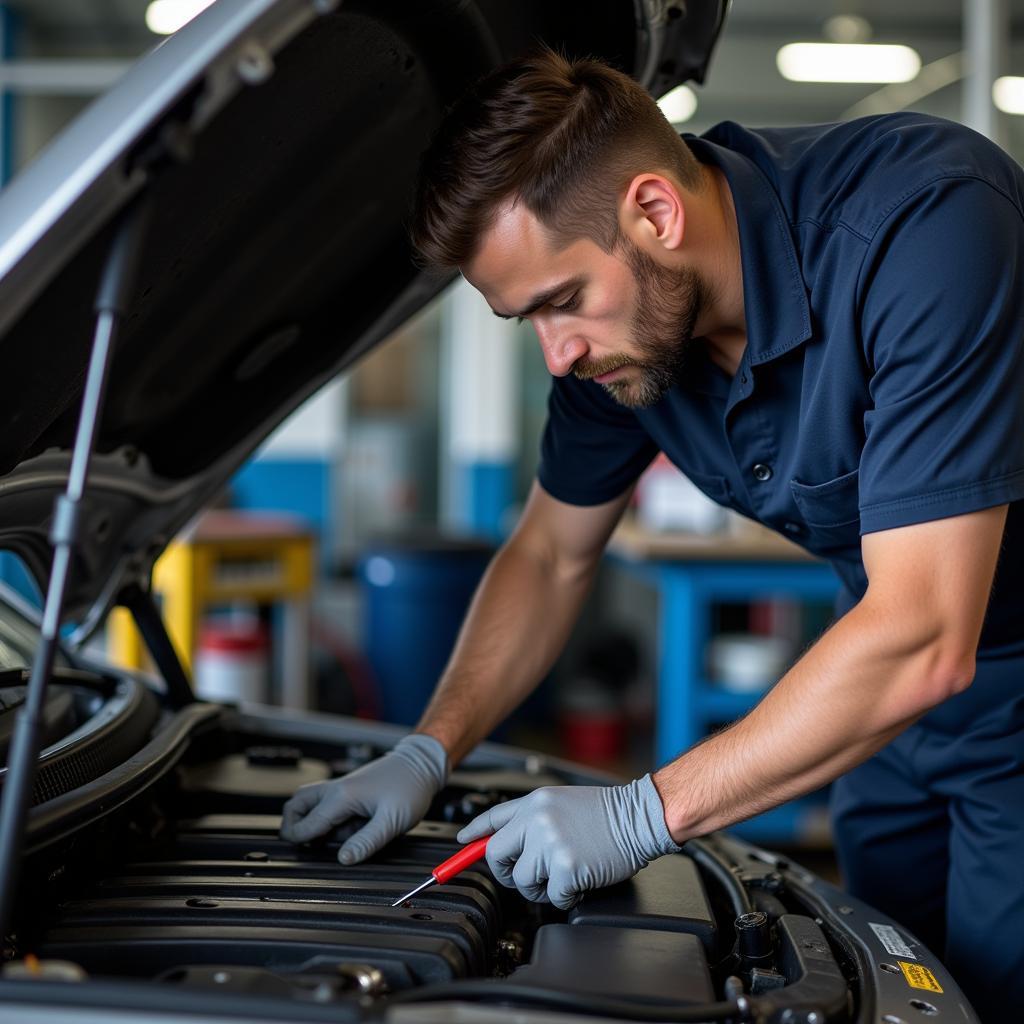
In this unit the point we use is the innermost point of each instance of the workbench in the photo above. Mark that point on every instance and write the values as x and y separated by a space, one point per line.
227 556
690 573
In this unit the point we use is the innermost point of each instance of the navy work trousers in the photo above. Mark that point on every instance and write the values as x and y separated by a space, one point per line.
931 831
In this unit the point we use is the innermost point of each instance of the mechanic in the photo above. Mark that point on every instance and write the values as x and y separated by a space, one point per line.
822 327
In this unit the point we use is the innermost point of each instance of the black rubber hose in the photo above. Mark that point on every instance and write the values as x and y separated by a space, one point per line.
734 888
599 1006
769 904
105 685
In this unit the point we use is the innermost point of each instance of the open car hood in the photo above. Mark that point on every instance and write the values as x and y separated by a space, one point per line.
278 141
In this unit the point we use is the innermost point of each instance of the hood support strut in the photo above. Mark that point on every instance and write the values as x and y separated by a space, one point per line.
111 305
154 635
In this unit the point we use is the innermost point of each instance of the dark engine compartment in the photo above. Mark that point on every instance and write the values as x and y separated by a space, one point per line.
178 877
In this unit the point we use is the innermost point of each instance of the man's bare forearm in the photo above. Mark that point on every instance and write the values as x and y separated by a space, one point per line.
853 691
908 645
517 624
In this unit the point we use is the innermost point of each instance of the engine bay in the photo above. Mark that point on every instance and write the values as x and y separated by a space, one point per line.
187 887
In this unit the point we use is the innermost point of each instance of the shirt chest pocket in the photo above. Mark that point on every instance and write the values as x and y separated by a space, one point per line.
831 512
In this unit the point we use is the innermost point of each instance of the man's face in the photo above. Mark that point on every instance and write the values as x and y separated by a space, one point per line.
618 318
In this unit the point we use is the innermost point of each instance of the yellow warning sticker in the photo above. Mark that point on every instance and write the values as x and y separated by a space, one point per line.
919 977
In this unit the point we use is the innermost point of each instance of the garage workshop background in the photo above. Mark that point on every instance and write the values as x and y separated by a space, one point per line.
336 568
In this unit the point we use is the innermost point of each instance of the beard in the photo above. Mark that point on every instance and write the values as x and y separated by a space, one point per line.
668 305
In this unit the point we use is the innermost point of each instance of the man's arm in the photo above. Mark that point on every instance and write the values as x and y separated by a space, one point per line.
520 617
905 648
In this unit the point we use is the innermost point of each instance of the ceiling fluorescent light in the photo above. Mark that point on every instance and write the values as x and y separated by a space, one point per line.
679 104
165 17
847 62
1008 94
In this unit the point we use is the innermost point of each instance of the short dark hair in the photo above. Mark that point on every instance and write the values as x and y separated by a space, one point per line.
564 137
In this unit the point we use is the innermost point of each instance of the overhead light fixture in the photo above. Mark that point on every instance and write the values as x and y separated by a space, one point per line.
1008 94
165 17
847 62
679 104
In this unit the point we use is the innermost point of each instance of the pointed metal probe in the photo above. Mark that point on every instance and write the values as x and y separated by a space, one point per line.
419 888
446 871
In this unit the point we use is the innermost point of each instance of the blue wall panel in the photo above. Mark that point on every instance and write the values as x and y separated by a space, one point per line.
9 31
16 576
485 491
302 487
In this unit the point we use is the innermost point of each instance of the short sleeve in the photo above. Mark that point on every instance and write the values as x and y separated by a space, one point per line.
942 291
592 448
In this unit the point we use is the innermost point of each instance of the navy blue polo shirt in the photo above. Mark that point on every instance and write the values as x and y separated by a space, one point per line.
883 378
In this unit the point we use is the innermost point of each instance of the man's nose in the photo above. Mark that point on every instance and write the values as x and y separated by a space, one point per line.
561 348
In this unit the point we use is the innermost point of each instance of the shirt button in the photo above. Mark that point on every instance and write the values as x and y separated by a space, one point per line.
762 472
793 528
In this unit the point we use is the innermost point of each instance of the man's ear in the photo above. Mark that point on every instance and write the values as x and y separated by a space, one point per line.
653 212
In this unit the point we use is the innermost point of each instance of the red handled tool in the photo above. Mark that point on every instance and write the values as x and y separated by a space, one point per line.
466 857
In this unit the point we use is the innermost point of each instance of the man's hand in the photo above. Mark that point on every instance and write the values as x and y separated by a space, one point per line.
394 792
560 841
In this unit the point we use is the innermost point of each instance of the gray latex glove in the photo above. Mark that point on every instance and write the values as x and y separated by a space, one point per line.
394 792
559 841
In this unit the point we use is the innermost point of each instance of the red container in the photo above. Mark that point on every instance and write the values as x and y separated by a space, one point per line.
233 661
593 736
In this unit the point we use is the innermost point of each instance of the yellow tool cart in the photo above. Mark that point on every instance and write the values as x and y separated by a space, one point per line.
226 557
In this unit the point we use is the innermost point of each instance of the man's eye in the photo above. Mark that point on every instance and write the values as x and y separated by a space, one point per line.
570 303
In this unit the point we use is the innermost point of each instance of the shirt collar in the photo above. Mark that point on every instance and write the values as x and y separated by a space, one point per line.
774 296
702 375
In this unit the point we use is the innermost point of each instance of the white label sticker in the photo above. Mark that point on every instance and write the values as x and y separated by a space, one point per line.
892 940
